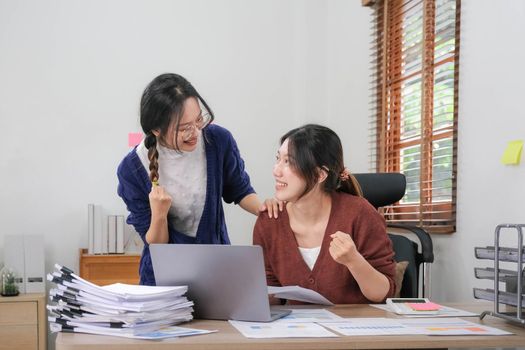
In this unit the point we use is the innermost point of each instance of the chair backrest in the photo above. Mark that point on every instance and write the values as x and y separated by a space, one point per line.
406 250
382 189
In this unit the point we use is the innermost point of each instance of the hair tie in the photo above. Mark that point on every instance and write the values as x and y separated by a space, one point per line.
150 140
345 174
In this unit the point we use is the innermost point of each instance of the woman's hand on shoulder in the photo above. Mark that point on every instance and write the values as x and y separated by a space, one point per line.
159 200
343 249
272 206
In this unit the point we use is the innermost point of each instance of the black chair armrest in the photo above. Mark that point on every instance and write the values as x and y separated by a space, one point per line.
427 250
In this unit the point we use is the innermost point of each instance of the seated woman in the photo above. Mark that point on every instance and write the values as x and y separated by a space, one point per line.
328 238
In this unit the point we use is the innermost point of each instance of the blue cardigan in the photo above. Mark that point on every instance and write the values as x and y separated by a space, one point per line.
226 179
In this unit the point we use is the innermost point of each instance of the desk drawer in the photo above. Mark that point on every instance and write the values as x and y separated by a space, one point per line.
23 337
17 313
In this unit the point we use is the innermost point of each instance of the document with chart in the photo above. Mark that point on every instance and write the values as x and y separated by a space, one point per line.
310 315
371 326
281 330
450 326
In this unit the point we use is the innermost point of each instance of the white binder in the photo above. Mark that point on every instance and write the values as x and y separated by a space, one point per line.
112 234
14 258
25 254
91 228
34 262
120 234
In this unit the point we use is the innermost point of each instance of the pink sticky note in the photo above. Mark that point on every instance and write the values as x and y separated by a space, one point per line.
134 138
424 306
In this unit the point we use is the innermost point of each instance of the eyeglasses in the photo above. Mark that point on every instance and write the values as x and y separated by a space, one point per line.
202 121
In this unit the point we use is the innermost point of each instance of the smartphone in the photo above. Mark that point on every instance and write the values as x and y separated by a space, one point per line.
410 306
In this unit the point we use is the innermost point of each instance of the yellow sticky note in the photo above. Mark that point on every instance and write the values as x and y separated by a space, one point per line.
512 153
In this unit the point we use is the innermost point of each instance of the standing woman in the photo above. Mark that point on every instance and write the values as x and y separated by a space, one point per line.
174 181
328 238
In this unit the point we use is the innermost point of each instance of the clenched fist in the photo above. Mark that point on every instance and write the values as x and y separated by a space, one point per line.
343 249
160 201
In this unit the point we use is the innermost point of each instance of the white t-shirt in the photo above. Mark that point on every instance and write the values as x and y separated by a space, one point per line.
183 175
310 255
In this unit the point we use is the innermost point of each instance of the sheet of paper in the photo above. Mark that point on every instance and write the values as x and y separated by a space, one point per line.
310 315
281 330
172 332
444 311
512 153
371 326
299 294
143 290
450 326
167 332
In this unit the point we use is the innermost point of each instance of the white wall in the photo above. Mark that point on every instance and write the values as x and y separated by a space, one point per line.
72 73
328 85
490 114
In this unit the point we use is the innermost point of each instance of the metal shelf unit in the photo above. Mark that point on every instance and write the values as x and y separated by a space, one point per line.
500 254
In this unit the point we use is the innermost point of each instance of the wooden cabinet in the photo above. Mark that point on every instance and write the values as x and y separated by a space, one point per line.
23 322
110 268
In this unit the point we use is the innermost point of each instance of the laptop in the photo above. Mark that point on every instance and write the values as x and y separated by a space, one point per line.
225 282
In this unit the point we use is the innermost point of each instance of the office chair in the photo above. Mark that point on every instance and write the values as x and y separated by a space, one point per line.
382 189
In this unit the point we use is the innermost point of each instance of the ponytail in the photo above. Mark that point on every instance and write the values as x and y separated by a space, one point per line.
151 144
349 184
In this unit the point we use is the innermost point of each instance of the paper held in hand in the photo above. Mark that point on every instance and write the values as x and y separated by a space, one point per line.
299 294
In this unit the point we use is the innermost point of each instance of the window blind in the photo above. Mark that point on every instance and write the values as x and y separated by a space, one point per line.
414 100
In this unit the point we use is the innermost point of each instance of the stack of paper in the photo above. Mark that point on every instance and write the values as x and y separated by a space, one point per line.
118 309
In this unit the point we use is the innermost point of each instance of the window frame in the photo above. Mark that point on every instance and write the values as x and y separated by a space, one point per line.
435 216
